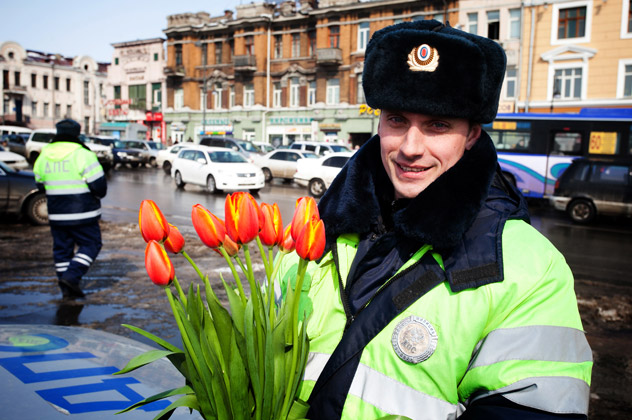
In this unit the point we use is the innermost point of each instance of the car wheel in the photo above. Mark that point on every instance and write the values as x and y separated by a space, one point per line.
211 186
581 211
267 174
316 187
255 191
33 157
36 209
167 167
134 164
152 162
178 179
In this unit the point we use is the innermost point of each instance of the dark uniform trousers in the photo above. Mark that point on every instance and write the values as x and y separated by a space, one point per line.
71 265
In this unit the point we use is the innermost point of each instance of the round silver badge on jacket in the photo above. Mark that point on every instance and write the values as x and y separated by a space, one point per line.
414 339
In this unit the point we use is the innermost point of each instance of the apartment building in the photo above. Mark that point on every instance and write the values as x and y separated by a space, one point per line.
39 89
135 86
282 72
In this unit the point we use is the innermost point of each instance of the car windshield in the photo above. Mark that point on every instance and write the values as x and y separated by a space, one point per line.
337 148
118 144
227 157
6 168
155 145
134 144
310 156
247 146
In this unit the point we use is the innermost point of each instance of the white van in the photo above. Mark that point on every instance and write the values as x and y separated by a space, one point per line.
319 148
11 129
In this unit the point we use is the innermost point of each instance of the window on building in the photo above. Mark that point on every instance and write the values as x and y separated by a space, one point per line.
57 111
363 35
472 23
311 39
493 24
571 23
218 53
156 96
360 99
249 95
56 82
231 97
627 89
68 111
68 85
116 61
45 110
438 17
86 92
178 99
33 80
45 82
568 83
155 56
278 46
627 17
16 77
117 96
334 36
511 79
217 96
276 95
514 23
250 45
204 54
311 93
5 78
86 125
295 92
333 92
138 97
231 49
624 80
296 45
178 54
34 109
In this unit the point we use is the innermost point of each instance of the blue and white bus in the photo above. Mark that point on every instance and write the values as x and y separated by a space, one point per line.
534 149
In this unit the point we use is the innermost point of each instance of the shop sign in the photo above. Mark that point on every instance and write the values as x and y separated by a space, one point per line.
153 116
329 127
290 120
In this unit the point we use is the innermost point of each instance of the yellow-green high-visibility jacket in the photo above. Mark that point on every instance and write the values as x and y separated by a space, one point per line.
74 182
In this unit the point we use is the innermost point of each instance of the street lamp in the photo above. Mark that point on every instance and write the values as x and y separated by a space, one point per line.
201 45
556 95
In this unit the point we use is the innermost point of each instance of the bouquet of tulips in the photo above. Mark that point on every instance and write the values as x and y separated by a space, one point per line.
245 361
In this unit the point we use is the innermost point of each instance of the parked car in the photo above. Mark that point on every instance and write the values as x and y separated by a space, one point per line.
13 160
16 142
281 163
149 149
317 174
244 146
264 147
319 148
20 196
123 155
41 137
217 169
165 157
592 186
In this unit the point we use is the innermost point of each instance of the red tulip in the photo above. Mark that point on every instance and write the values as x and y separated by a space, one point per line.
175 241
305 211
158 264
287 244
311 241
152 223
272 226
209 228
243 217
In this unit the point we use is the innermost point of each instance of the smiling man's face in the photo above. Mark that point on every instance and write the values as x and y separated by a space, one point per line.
416 149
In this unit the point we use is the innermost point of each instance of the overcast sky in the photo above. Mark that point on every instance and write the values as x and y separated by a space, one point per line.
80 27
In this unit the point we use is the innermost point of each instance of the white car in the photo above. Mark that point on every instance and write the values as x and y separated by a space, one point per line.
149 149
317 174
281 163
264 147
13 160
165 157
217 169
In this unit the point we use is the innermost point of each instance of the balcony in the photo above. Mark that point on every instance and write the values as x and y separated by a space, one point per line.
174 71
15 90
245 63
329 56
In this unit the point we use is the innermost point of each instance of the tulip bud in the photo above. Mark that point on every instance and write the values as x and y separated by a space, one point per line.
231 247
287 244
311 241
174 242
306 210
158 264
152 223
242 217
209 228
272 226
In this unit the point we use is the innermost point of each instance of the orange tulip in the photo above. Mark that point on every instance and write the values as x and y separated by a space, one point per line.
158 264
209 228
272 226
231 247
311 241
174 242
152 223
243 217
306 210
287 244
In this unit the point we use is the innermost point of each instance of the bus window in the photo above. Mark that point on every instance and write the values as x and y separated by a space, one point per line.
567 144
517 141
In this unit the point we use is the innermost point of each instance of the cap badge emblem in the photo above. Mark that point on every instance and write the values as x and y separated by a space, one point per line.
414 339
423 58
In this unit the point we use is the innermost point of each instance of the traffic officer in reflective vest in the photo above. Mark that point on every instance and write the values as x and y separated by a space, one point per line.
74 182
435 298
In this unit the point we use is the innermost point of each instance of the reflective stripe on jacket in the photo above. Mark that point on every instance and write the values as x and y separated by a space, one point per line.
74 182
520 337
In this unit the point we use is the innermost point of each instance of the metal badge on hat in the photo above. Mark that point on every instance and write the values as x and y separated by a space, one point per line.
414 339
423 58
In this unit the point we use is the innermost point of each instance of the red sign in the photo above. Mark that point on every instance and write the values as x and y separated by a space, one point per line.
153 116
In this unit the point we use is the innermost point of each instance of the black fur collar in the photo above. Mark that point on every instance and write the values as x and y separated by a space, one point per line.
361 196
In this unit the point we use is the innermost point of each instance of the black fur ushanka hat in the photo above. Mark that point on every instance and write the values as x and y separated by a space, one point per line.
429 68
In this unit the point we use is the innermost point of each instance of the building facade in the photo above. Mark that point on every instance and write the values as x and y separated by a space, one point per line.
135 86
39 89
283 72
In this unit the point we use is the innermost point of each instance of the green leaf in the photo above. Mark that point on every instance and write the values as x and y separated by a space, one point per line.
268 372
298 410
222 321
159 396
162 343
184 401
143 359
252 356
394 417
220 385
179 361
239 383
236 307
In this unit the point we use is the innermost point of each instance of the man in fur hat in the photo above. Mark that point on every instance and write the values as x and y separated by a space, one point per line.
435 298
75 183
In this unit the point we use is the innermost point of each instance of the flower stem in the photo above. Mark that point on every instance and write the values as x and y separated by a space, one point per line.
193 264
229 260
266 262
183 296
